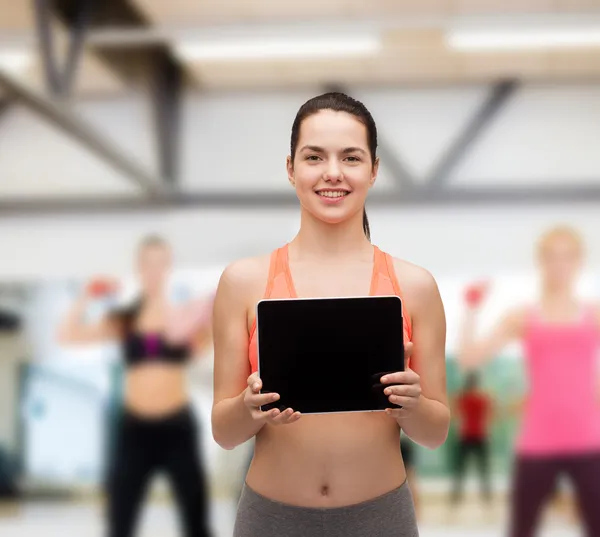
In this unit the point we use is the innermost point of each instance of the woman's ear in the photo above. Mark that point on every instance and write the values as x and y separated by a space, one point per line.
290 171
374 172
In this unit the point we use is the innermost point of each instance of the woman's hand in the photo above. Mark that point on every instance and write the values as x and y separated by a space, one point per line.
253 400
404 389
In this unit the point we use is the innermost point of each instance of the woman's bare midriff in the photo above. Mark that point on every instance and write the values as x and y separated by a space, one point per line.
155 390
328 461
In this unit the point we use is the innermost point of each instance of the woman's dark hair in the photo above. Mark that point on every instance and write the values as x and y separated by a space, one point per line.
126 317
338 102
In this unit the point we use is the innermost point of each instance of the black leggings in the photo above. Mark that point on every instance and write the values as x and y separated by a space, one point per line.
478 449
535 483
145 446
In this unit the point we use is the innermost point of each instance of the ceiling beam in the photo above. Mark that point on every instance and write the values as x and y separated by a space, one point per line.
390 158
492 106
149 66
4 106
59 115
460 196
130 63
59 80
77 37
43 26
166 91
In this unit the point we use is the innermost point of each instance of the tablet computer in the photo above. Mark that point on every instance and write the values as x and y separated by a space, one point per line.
327 355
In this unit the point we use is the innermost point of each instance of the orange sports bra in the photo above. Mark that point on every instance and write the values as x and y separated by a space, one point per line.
280 285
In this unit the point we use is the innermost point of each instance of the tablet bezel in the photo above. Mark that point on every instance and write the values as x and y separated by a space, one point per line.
297 299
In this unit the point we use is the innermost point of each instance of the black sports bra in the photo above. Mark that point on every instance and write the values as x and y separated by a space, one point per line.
141 347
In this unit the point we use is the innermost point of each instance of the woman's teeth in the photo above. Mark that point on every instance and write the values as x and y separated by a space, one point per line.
329 194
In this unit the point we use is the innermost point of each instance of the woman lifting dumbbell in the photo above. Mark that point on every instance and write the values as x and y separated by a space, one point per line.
157 427
560 431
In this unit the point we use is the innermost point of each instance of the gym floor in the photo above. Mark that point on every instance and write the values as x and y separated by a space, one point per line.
159 520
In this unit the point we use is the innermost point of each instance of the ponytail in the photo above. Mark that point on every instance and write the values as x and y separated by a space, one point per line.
366 227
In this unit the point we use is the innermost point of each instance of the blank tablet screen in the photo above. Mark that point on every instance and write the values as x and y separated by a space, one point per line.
327 355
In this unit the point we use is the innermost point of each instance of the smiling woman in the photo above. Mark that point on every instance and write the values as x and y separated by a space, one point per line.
329 474
352 157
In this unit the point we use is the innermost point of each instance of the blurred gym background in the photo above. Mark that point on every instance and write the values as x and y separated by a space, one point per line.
119 118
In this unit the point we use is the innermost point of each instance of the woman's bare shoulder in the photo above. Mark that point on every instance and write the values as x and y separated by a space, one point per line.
414 279
246 276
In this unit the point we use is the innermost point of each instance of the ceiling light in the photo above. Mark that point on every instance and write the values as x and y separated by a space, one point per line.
15 62
515 39
276 48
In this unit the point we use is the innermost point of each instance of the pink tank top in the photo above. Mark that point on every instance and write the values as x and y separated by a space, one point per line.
562 411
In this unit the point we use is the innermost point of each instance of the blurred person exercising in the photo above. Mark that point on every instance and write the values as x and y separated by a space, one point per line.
328 475
473 409
157 429
560 430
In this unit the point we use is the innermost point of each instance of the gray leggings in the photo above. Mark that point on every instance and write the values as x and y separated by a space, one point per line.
390 515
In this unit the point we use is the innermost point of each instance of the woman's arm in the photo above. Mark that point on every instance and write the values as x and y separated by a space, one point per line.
428 422
473 353
454 407
236 414
232 421
196 324
73 331
202 339
193 322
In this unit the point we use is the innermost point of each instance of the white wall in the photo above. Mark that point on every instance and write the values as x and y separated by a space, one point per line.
239 141
38 160
546 135
446 241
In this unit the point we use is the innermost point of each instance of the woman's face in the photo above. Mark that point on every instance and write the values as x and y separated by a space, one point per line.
154 265
560 261
332 170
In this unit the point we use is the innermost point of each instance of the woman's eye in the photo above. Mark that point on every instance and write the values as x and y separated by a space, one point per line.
312 157
353 159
